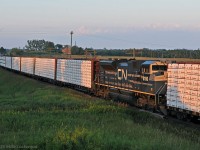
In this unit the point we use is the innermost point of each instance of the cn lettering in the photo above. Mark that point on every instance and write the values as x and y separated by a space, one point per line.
122 74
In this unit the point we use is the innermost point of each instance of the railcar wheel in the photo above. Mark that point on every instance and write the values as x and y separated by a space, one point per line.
188 118
180 116
194 119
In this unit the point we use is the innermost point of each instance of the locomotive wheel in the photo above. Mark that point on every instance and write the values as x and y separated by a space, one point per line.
182 116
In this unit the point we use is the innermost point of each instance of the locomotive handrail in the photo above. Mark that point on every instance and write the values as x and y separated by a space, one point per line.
161 91
126 89
158 94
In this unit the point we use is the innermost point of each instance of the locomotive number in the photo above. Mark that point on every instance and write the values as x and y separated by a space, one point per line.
145 78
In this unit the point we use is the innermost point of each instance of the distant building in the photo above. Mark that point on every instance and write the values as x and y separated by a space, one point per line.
67 50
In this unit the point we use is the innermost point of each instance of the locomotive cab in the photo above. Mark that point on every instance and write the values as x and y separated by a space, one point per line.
154 74
154 71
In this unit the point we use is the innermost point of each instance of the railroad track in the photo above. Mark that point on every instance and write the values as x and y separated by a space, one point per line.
171 119
191 124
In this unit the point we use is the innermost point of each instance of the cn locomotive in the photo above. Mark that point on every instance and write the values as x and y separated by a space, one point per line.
168 88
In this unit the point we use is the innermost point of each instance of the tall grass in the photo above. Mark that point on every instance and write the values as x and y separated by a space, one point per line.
50 117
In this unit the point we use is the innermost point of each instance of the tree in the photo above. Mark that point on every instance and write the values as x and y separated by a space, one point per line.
35 45
39 45
16 52
58 47
2 50
77 50
49 46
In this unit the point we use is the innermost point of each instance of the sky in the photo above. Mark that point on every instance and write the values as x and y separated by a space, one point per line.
111 24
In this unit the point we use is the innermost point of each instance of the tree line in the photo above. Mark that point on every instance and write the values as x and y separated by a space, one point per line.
42 46
2 51
158 53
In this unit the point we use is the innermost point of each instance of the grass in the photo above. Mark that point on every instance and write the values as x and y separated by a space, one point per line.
38 114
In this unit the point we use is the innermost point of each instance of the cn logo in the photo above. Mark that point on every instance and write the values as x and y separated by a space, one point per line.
122 74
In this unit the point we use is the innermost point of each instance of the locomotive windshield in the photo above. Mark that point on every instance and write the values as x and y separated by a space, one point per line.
159 67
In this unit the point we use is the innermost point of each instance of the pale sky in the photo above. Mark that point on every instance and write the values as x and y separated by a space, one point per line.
102 23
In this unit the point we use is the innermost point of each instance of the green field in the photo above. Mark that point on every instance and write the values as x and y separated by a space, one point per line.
45 116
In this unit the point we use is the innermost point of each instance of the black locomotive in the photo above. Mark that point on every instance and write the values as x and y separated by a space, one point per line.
144 80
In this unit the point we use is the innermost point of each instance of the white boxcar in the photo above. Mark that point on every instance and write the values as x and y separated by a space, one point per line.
188 66
173 66
181 71
187 77
195 66
78 72
194 88
195 77
16 63
180 104
181 81
187 96
188 71
195 72
27 65
2 61
8 62
45 67
181 66
198 104
181 75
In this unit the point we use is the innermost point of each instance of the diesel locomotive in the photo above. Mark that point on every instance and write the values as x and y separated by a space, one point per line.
145 80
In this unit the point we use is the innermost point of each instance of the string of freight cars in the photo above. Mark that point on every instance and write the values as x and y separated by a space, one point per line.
166 88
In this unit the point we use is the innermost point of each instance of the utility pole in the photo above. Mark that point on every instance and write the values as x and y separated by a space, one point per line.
71 36
71 42
134 53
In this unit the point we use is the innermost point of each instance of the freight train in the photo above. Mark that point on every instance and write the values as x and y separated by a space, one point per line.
168 88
